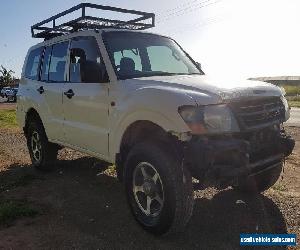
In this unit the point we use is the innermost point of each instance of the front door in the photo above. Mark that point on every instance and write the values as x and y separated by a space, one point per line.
85 98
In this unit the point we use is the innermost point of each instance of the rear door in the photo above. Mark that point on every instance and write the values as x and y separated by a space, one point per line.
53 77
85 98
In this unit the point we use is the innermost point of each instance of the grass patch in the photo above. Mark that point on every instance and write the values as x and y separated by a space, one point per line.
294 101
12 210
8 119
295 104
291 90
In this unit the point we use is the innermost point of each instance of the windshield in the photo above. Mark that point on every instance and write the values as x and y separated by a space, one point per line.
138 55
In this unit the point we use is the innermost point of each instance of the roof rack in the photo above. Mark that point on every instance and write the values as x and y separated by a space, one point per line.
144 21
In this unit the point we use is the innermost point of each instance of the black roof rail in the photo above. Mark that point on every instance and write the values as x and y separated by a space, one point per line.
143 21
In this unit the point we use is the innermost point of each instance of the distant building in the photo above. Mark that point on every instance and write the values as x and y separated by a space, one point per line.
279 80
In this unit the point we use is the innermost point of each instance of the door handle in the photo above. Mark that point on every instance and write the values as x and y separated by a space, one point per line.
41 90
69 93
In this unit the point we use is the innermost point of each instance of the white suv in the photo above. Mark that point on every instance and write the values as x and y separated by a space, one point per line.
139 101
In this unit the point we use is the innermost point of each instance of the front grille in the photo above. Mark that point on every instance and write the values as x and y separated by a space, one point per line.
259 113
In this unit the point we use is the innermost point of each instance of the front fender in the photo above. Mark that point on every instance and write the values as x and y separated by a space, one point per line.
146 104
140 115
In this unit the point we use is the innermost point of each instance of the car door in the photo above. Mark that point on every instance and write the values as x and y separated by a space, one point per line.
85 99
50 86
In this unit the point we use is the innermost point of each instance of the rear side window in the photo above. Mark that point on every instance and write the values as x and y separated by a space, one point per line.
32 65
58 62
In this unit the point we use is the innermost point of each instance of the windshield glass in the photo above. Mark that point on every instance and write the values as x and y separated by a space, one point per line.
138 55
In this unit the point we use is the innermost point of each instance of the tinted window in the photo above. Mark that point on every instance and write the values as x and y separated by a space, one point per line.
86 64
58 62
46 64
32 66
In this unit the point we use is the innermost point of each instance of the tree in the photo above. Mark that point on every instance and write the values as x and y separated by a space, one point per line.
6 76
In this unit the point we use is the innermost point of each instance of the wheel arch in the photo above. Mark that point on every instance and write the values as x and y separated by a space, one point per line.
30 115
139 131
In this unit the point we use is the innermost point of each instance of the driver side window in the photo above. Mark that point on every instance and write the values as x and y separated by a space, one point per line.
86 64
128 55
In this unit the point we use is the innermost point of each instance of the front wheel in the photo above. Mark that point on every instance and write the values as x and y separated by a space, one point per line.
159 189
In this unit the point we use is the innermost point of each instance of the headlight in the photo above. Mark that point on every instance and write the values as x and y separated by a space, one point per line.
211 119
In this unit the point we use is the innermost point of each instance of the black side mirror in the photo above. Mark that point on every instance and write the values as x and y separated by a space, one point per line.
199 66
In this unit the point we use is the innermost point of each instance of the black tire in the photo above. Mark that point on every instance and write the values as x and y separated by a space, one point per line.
48 151
260 182
178 194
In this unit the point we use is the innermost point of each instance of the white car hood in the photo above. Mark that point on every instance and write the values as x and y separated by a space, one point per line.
224 89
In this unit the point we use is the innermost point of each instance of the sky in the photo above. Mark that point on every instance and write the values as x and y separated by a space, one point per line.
234 38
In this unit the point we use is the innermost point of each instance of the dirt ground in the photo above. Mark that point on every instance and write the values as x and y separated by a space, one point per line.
82 206
7 105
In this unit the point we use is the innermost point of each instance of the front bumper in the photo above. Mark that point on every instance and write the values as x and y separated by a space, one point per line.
220 162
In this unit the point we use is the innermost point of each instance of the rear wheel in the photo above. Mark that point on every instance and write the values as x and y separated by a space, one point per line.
42 153
260 182
159 190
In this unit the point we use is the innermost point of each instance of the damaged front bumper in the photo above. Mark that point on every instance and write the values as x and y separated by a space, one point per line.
222 161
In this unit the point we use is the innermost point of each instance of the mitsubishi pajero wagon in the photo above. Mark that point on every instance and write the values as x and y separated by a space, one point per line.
109 89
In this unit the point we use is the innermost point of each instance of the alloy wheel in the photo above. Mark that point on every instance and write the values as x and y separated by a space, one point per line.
36 146
148 189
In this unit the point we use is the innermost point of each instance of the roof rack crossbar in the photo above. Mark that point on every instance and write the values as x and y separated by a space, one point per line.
91 22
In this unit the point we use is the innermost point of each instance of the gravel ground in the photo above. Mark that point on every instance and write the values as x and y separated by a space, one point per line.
83 206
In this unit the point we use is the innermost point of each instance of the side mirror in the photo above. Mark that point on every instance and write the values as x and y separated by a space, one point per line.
199 66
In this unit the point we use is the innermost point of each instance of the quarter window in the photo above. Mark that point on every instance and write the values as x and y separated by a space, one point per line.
33 62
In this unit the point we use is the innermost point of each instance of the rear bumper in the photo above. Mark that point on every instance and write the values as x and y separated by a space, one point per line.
221 162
